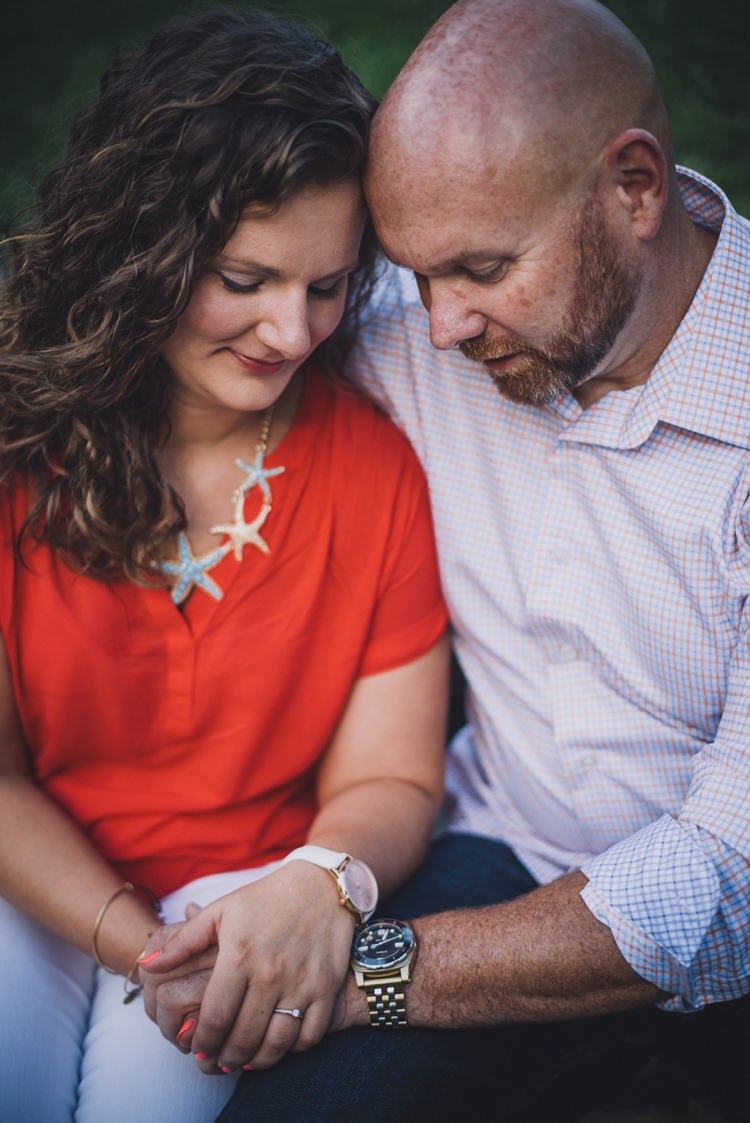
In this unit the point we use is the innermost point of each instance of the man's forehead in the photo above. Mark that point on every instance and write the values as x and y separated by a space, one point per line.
470 225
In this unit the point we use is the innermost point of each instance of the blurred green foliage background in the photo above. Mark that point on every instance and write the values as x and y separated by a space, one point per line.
52 53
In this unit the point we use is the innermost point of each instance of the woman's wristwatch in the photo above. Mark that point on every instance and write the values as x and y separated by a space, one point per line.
383 953
358 889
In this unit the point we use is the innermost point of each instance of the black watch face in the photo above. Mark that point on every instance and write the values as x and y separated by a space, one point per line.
382 943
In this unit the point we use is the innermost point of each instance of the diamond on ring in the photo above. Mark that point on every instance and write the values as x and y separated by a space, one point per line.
292 1013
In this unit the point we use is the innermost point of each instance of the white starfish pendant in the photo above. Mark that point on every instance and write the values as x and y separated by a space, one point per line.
191 571
257 474
243 534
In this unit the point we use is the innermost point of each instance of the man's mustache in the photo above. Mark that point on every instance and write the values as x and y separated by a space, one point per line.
482 348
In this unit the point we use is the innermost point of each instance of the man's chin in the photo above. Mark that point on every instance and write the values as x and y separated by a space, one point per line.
525 387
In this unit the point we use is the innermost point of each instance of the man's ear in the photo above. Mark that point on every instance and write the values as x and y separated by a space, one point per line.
636 167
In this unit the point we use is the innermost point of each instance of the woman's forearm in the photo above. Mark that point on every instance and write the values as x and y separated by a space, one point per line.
50 870
364 821
381 782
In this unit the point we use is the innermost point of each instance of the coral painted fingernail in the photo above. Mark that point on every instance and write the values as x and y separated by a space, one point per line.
201 1056
225 1069
184 1028
150 958
249 1068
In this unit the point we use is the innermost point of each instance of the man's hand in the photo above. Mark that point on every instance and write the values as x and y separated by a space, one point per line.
351 1007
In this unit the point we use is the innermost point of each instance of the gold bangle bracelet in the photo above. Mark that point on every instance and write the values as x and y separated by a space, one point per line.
137 987
153 901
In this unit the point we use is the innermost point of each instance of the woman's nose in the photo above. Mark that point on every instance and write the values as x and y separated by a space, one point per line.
285 327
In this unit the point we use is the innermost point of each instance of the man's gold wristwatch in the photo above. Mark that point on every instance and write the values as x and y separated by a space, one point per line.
383 953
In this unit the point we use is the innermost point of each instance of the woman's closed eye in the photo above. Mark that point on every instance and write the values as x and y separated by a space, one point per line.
327 292
237 286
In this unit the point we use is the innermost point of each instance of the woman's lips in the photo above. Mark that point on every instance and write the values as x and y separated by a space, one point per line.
256 366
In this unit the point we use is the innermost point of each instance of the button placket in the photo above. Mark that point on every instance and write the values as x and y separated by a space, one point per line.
179 681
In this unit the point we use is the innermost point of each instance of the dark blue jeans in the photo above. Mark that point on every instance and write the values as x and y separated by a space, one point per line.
548 1072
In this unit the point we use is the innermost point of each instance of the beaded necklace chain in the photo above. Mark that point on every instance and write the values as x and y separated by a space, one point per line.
191 572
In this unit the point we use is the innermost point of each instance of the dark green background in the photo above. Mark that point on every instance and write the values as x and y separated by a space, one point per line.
53 51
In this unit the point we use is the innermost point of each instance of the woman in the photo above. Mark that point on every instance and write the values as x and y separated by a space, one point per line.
222 632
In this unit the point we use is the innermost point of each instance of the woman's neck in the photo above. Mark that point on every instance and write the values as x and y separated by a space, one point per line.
198 460
198 427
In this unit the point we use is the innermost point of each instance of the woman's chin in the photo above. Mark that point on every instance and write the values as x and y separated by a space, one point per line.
243 393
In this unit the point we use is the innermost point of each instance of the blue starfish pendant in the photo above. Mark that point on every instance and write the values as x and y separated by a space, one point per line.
257 474
191 571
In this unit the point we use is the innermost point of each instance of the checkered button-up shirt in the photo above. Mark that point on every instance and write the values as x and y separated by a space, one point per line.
597 568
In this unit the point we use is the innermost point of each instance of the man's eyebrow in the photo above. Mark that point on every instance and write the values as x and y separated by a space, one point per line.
249 266
465 258
458 261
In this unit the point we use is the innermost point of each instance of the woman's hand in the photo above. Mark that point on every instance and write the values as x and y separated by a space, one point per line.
282 941
285 940
172 999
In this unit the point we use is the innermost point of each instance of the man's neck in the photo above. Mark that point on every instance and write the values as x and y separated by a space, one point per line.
666 299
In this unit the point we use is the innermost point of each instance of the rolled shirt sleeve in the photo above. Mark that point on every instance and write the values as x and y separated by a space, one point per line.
676 895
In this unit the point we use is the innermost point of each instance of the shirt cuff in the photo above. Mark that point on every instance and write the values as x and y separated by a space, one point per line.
658 893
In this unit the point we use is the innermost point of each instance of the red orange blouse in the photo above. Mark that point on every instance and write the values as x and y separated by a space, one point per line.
186 743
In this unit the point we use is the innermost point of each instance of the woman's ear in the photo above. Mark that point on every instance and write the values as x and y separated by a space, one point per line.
636 167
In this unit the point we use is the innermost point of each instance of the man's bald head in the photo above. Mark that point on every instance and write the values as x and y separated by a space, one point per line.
521 166
543 83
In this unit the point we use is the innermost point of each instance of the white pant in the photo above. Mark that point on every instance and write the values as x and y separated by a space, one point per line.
69 1048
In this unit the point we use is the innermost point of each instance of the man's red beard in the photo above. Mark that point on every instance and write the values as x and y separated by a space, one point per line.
605 294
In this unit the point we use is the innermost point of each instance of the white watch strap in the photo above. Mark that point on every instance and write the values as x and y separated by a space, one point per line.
318 855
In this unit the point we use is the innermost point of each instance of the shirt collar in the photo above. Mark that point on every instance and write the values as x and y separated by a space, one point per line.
702 380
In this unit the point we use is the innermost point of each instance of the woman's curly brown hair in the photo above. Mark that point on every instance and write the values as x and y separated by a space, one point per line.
218 111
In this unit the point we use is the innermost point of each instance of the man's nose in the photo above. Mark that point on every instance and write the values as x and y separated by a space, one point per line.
286 327
452 316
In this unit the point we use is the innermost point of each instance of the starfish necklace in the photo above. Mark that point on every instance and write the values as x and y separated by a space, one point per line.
191 571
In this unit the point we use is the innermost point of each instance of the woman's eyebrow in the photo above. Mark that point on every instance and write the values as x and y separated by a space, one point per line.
248 266
255 267
340 272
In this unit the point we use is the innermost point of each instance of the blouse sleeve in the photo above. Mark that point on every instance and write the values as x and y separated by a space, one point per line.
410 615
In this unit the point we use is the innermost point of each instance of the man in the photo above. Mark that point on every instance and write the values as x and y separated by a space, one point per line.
589 483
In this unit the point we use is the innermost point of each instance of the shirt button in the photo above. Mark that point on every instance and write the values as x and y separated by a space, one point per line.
558 556
588 761
566 653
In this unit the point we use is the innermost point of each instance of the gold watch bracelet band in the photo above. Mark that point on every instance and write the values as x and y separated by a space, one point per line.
386 1001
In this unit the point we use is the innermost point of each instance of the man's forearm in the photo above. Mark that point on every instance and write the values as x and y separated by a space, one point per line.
541 957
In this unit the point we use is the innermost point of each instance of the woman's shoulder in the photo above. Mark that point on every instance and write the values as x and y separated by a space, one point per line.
14 507
366 434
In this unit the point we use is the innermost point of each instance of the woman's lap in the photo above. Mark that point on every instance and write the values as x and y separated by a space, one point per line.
69 1047
47 987
131 1074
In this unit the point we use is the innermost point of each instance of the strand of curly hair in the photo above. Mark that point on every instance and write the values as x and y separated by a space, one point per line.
219 111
